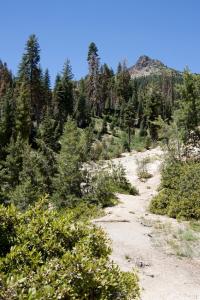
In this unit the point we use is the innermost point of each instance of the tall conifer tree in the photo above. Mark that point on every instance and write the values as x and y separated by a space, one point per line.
63 98
47 92
30 78
93 79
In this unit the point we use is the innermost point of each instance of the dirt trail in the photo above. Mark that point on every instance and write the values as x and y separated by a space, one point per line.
162 276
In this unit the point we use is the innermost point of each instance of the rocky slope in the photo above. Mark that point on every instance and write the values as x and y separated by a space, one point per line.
138 237
146 66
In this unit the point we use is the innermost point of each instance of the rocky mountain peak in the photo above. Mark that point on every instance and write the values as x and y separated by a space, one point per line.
146 66
145 61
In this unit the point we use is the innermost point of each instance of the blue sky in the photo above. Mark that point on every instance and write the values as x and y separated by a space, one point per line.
167 30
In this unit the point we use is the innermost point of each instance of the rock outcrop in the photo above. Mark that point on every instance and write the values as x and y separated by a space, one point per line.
146 66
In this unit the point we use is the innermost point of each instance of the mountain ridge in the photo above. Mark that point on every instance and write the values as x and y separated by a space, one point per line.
146 66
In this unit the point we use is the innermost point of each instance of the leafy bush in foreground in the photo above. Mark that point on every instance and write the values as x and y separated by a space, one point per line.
46 255
179 196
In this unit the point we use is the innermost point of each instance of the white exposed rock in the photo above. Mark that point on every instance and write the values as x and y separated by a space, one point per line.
162 277
146 66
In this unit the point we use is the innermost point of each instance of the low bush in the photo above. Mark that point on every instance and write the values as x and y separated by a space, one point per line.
8 223
120 182
99 190
109 147
84 211
51 256
139 142
142 171
179 195
102 186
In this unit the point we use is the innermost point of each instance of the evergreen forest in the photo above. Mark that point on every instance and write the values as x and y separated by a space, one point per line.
57 145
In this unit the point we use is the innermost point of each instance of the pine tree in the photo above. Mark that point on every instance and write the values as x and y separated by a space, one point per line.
67 182
135 94
11 167
47 164
27 174
49 132
104 126
93 80
47 92
88 139
129 119
189 103
7 106
23 114
30 77
6 121
57 92
106 88
6 80
153 108
81 112
123 87
29 187
67 83
187 115
63 98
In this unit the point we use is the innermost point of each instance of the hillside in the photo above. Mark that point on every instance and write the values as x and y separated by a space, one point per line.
146 66
153 244
67 141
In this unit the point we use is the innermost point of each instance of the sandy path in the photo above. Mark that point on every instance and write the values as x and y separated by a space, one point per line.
161 276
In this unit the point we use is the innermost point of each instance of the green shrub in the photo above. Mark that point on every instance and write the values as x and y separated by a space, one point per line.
148 142
142 171
104 184
179 196
99 190
143 132
120 182
138 142
8 223
52 256
126 146
108 148
96 150
112 126
84 211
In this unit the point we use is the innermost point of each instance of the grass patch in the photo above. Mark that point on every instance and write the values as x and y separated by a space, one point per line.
187 235
180 241
195 226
